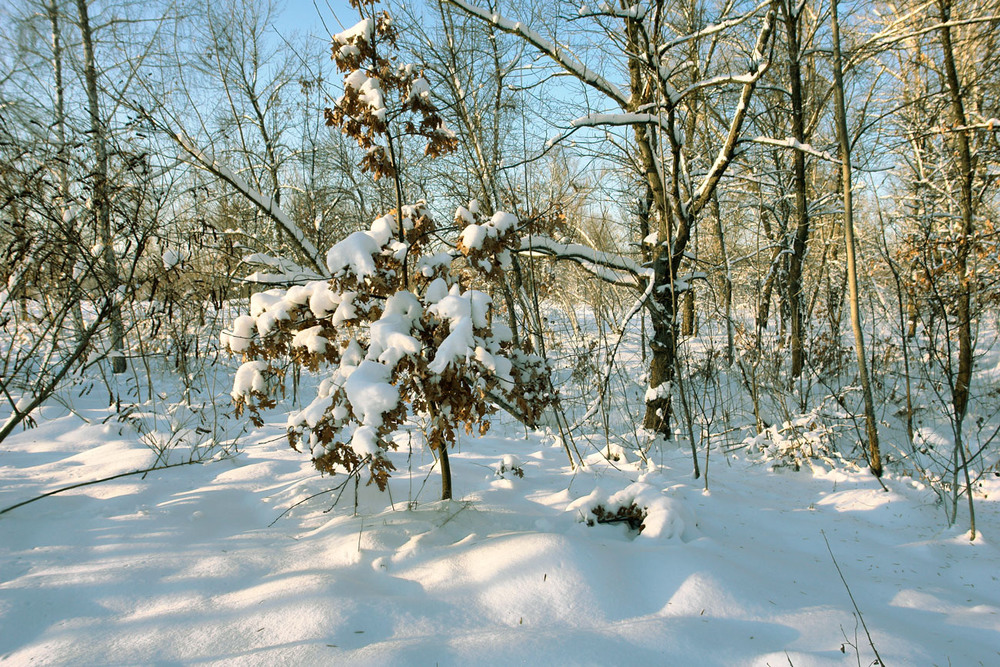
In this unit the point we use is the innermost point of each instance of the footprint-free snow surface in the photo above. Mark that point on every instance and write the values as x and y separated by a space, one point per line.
193 565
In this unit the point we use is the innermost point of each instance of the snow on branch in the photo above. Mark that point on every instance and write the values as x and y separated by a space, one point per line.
712 29
721 80
558 55
282 271
790 142
598 119
992 125
610 268
760 63
259 199
636 12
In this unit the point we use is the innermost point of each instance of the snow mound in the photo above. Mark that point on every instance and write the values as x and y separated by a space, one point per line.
664 518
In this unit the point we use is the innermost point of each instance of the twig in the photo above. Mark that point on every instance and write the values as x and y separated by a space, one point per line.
853 602
98 481
462 509
305 500
848 642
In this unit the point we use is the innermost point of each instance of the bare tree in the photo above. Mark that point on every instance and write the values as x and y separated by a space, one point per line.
644 44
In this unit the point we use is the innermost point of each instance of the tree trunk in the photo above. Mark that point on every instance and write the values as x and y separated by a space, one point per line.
801 235
661 374
963 307
874 455
445 471
101 195
688 324
727 278
62 173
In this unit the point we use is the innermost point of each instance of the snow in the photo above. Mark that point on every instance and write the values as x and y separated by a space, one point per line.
382 229
249 378
428 265
658 392
464 215
185 566
503 222
502 332
370 393
794 144
242 334
271 306
464 311
369 90
419 89
666 518
459 306
436 291
390 336
455 348
312 413
612 268
599 119
310 339
360 30
474 234
284 270
345 309
261 302
354 254
172 258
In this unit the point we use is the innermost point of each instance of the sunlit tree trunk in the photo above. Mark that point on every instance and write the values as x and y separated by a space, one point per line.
101 192
963 307
871 427
62 170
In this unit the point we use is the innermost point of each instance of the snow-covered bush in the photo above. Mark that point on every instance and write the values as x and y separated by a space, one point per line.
509 465
795 442
388 352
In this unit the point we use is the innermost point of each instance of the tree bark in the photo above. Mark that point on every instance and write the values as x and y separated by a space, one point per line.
963 307
727 279
101 195
62 172
874 454
661 369
800 239
445 464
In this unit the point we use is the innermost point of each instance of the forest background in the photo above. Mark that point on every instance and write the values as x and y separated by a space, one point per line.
706 225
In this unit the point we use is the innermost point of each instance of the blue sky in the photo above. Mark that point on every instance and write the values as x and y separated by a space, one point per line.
308 16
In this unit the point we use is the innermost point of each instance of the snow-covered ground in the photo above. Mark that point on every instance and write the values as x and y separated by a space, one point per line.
184 566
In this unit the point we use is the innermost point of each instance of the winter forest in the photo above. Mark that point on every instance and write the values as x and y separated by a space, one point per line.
481 332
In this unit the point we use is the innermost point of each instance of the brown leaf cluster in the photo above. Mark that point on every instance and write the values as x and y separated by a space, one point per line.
405 94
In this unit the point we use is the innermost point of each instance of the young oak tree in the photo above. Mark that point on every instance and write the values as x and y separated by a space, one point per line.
393 328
